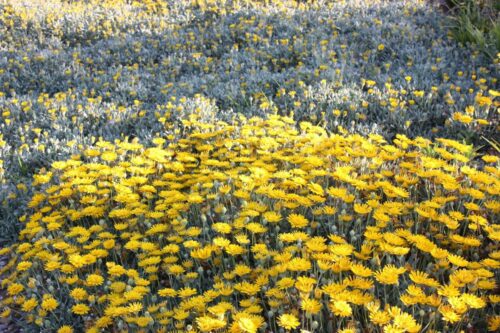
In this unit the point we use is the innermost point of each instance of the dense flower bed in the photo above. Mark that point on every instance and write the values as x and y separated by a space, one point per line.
240 166
260 225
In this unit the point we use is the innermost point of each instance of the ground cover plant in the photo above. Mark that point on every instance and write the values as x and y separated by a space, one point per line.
476 22
243 166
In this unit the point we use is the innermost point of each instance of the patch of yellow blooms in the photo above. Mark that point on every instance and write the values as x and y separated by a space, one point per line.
260 223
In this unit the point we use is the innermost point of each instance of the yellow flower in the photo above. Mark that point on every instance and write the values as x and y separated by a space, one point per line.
135 307
457 260
79 294
341 308
114 269
305 284
242 270
80 309
65 329
272 217
449 315
202 253
14 289
483 100
288 321
167 292
316 244
247 288
29 304
310 306
380 317
143 321
247 325
391 328
49 303
463 118
448 291
187 292
208 324
420 277
407 322
242 239
94 280
223 228
6 313
389 274
299 265
473 301
234 249
176 269
297 221
109 156
493 323
361 270
362 209
341 249
490 158
195 198
24 265
104 322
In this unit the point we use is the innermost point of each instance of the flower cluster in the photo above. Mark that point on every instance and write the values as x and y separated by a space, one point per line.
258 225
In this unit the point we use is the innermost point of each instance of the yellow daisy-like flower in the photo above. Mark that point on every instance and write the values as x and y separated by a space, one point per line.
29 304
65 329
109 156
341 308
493 323
49 303
380 317
80 309
449 315
24 265
361 270
299 265
310 306
305 284
288 321
457 260
297 221
362 209
167 292
94 280
79 294
208 324
389 274
272 217
247 325
14 289
143 321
